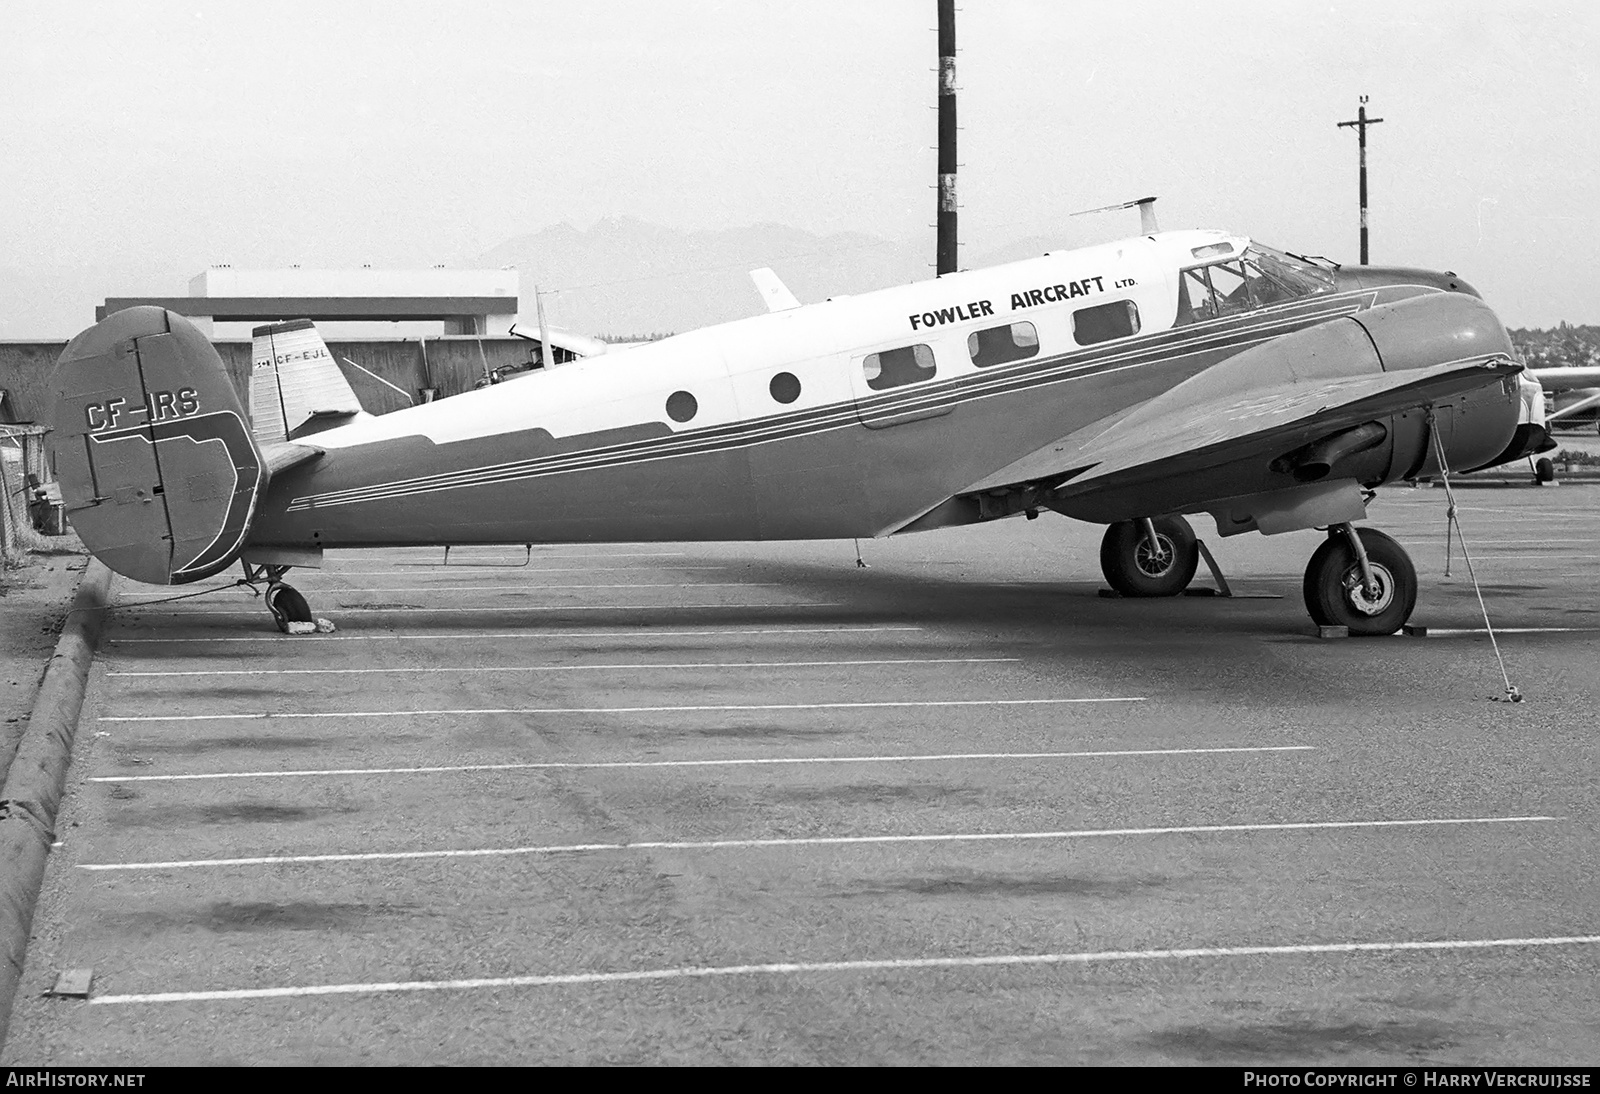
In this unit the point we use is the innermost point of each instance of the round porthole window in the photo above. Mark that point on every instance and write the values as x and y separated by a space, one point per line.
785 387
681 406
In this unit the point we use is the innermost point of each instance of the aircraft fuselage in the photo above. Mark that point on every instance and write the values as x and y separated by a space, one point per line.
791 425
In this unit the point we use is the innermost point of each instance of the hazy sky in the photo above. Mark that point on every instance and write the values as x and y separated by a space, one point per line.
165 136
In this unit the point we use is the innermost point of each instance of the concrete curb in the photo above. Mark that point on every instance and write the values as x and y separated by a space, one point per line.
38 777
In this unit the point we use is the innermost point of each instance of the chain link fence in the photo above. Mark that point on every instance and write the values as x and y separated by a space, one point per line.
24 469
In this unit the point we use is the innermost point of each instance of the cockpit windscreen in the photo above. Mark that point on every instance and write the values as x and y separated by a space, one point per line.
1261 277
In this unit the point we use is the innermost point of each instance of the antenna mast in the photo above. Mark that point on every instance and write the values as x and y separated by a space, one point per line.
947 260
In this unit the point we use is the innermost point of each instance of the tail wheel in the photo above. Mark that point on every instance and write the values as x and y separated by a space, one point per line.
287 606
1336 595
1134 566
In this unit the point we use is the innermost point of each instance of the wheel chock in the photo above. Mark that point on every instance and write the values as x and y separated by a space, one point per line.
1412 631
1108 594
73 984
1333 631
1216 572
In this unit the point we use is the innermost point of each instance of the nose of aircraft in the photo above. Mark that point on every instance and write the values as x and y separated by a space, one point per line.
1434 328
1477 427
1377 277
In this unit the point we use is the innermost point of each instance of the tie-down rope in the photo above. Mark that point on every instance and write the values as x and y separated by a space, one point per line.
1453 522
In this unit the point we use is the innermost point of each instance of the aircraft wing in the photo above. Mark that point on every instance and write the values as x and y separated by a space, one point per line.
1566 379
1158 441
1190 445
579 345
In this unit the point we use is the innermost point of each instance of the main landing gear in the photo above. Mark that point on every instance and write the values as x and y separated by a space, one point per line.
283 601
1361 579
1151 557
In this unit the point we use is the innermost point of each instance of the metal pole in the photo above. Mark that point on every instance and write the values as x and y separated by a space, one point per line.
947 259
545 351
1360 124
1361 128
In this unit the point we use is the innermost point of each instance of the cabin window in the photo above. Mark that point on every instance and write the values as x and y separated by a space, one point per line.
1002 345
1104 322
785 387
681 406
895 367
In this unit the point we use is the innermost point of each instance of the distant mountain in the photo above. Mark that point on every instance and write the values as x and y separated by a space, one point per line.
621 276
624 274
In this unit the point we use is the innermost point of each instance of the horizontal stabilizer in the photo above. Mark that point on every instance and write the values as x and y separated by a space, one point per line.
280 456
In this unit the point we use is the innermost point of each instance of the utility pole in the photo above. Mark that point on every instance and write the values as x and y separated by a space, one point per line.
947 260
1361 123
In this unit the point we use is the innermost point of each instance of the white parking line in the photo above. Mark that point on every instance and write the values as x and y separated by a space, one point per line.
464 570
946 757
458 590
287 715
1528 511
1553 556
411 610
587 668
498 635
892 964
1452 632
512 554
1536 542
796 841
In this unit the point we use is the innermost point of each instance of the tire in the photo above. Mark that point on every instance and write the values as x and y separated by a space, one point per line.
287 606
1544 470
1332 586
1130 569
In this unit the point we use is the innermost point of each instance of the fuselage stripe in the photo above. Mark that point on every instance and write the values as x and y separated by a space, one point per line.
1232 333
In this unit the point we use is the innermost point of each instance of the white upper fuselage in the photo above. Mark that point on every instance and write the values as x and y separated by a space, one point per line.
728 368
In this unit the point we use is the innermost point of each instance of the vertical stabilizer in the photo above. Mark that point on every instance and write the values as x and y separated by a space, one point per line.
157 469
296 387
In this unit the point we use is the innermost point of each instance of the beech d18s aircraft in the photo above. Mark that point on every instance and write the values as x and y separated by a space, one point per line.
1124 384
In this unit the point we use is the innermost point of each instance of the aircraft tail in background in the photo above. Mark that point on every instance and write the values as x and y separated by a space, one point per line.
296 387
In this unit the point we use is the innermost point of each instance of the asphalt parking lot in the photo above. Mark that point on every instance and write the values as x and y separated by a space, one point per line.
735 803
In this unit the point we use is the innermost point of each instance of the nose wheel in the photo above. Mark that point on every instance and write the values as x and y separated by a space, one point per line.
1361 579
1155 557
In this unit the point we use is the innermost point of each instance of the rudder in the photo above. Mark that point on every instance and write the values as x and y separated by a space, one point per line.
157 466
